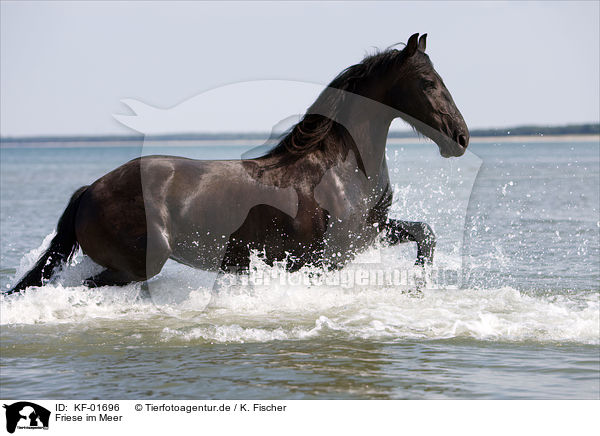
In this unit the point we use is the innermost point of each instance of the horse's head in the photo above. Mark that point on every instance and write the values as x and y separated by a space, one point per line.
419 93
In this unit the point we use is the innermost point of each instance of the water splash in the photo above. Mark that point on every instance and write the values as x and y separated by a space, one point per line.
179 307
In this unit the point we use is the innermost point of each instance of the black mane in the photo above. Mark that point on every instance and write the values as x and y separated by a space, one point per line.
314 127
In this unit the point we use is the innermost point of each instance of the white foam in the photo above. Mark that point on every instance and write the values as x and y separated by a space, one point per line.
183 307
59 304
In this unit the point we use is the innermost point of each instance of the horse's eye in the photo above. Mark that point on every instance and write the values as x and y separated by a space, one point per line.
428 85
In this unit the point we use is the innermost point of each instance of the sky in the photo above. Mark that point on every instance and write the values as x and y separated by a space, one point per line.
65 67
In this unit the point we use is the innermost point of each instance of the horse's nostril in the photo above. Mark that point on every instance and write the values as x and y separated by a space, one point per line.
462 140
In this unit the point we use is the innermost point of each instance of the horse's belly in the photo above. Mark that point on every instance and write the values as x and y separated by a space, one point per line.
203 243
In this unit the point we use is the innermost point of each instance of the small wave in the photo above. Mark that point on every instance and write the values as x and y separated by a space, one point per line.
493 315
235 333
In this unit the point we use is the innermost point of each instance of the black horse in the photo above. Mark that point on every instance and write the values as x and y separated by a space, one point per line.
320 196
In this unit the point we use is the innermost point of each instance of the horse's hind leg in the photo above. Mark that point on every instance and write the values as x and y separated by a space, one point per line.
134 264
398 232
109 277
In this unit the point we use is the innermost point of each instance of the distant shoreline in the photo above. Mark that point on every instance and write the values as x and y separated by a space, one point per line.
60 143
585 132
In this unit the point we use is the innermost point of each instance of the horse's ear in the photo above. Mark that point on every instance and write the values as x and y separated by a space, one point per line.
423 42
412 45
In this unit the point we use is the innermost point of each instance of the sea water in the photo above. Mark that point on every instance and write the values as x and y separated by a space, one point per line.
509 309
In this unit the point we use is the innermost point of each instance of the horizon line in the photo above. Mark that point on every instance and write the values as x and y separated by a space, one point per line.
524 130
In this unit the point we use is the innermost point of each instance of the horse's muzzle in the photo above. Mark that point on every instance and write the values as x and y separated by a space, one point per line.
453 147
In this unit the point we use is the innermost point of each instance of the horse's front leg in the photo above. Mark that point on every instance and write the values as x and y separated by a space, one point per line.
397 232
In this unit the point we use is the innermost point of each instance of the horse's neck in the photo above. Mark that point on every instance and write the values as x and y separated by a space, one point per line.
368 122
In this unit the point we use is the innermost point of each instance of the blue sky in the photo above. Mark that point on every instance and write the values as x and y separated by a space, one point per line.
66 66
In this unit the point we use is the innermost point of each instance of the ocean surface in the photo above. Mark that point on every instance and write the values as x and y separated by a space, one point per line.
509 310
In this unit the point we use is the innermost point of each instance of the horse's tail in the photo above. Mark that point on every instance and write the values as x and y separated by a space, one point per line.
62 247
